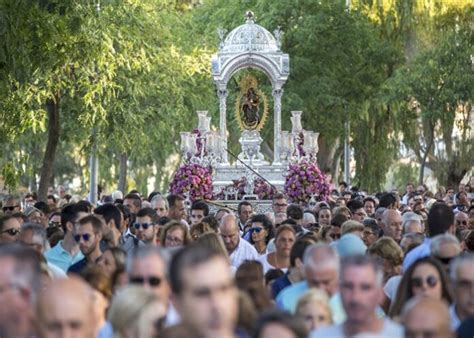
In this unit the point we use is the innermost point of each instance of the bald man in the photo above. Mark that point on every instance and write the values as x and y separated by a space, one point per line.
392 224
239 250
65 310
426 317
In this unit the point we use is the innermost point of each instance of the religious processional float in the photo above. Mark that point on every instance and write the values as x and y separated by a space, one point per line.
208 172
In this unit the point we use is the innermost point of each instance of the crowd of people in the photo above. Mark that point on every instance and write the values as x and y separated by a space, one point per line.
388 265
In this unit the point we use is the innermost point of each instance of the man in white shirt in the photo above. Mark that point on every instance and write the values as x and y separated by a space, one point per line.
361 291
239 250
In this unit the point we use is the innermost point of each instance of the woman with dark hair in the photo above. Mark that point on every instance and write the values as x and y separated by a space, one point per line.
324 216
277 323
261 231
426 277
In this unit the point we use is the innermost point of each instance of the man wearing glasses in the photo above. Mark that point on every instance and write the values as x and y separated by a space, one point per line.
146 266
88 235
11 205
66 252
146 227
9 229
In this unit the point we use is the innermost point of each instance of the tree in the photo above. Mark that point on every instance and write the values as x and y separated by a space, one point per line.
67 68
435 94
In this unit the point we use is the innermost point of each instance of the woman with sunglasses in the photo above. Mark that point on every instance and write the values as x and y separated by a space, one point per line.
426 277
261 231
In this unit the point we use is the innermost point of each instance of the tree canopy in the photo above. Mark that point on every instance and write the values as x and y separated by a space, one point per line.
128 75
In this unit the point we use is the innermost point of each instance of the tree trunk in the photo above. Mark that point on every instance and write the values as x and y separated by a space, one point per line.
326 154
426 153
123 172
51 146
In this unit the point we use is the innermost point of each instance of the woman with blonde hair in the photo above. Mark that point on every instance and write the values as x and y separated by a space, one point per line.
136 312
313 307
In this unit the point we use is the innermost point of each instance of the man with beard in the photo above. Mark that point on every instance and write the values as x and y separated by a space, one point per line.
146 226
88 234
361 291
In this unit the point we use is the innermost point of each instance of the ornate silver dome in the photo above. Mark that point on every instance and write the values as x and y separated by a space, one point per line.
251 37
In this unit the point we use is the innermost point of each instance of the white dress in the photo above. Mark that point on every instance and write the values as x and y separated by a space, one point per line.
266 265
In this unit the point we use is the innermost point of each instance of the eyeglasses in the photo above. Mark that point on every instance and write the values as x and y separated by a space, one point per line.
280 205
85 237
335 236
368 233
10 208
174 239
256 230
431 281
461 222
54 224
153 281
11 232
445 260
424 334
143 225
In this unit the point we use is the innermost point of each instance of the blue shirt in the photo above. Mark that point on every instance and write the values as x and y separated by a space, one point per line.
78 267
279 284
288 300
421 251
61 258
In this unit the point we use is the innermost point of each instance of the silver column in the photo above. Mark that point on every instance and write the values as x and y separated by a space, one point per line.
277 93
222 93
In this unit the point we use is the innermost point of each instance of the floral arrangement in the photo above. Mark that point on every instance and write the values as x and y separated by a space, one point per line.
193 179
303 180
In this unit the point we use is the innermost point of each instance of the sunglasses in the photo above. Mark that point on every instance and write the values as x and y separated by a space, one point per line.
143 225
153 281
54 224
445 260
335 236
461 222
85 237
256 230
431 281
11 232
10 208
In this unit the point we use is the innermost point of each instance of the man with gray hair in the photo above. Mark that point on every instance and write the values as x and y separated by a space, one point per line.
445 248
160 205
20 282
34 235
321 267
391 224
412 223
462 277
361 288
147 266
